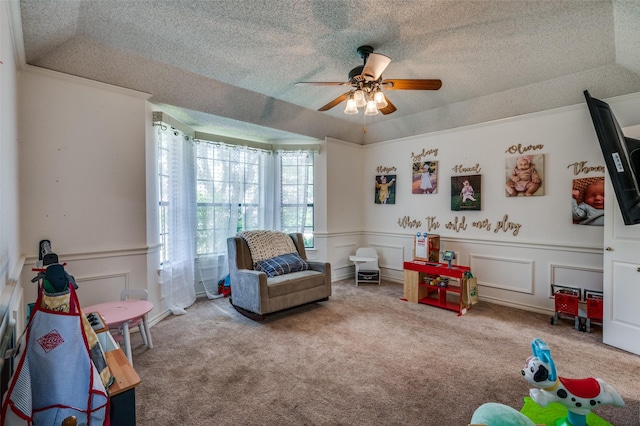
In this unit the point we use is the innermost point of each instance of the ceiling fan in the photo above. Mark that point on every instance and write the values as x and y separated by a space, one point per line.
367 85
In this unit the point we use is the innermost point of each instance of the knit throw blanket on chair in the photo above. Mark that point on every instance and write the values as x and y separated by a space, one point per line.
268 244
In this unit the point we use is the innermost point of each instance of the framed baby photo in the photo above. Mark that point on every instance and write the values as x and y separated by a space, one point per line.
466 192
424 177
524 175
587 201
385 191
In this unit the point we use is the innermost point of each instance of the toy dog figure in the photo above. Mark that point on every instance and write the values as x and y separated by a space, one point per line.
580 396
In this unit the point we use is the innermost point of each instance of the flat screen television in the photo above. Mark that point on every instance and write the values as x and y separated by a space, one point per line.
621 156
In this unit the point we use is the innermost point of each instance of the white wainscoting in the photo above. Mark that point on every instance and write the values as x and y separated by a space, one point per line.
12 313
341 266
102 275
576 276
503 273
96 289
390 256
513 273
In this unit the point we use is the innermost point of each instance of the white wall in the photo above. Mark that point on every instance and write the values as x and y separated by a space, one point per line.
343 208
512 268
567 137
152 218
10 259
344 184
8 139
83 183
9 249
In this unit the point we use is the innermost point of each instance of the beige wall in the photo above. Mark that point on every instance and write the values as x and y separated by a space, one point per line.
83 184
10 258
9 250
82 164
9 144
344 186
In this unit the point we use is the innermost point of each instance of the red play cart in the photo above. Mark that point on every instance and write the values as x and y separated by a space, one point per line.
567 304
594 301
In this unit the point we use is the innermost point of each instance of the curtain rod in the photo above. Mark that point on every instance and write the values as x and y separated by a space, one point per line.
162 117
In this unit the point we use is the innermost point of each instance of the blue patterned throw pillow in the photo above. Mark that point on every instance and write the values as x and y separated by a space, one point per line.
280 265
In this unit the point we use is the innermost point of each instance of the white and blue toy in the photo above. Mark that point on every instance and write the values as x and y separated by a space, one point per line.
580 396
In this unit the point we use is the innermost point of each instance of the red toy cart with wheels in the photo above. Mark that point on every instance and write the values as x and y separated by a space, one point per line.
594 301
567 303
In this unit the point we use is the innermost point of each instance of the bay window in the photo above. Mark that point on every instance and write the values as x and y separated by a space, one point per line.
232 188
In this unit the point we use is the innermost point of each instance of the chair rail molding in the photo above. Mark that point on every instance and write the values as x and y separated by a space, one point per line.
101 254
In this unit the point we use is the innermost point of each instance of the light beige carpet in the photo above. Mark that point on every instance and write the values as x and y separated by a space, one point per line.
365 357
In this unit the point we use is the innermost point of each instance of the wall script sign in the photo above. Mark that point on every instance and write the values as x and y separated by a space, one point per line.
461 169
519 149
383 169
580 167
407 222
425 152
460 224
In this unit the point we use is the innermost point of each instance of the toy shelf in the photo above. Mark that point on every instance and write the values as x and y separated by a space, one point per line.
429 283
437 296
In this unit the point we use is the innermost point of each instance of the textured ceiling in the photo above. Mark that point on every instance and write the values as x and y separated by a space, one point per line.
229 66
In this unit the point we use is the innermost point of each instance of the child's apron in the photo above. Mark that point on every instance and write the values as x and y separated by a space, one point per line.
55 377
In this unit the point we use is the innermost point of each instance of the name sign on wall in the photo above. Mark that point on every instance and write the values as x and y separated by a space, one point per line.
580 167
519 149
424 153
461 169
383 169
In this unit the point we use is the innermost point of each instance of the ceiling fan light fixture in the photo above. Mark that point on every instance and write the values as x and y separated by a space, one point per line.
351 106
366 85
371 108
378 97
359 98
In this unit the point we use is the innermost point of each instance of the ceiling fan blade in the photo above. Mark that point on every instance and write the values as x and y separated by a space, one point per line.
335 102
376 64
400 84
389 108
321 83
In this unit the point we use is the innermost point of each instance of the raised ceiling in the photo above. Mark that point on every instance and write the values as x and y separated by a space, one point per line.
230 66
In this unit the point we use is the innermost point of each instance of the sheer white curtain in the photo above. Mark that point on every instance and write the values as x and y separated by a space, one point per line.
211 191
303 161
178 269
294 192
235 193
